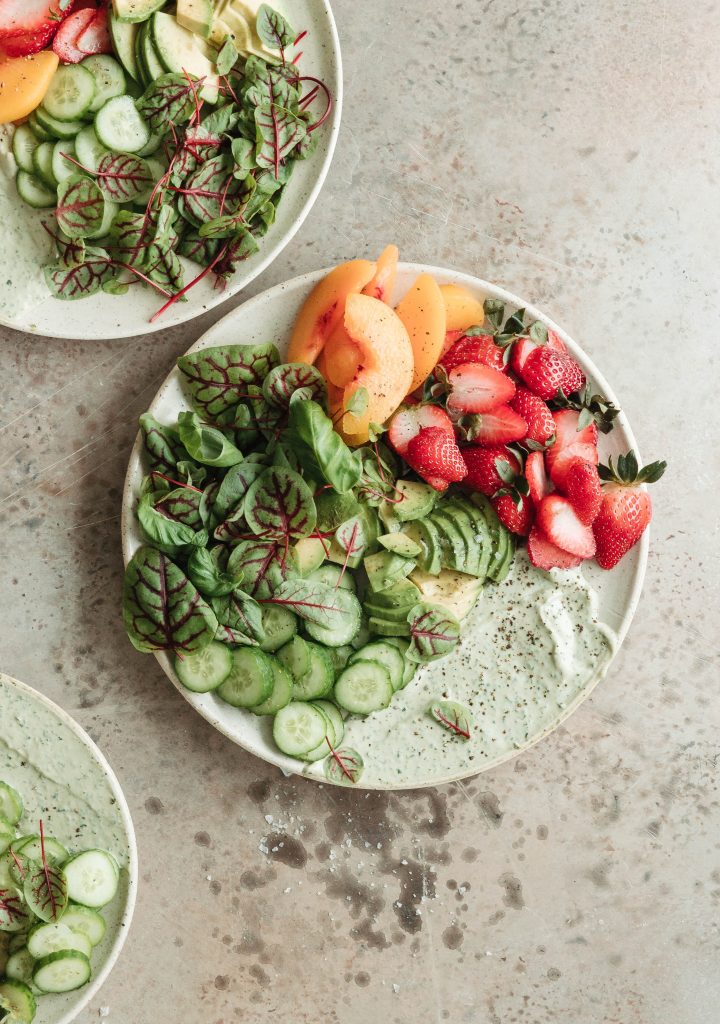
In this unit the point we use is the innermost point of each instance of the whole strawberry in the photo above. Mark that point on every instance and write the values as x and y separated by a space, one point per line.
626 508
489 469
546 371
537 415
478 348
433 453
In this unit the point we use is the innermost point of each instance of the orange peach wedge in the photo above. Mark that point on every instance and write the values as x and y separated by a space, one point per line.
323 309
23 84
383 282
422 310
462 309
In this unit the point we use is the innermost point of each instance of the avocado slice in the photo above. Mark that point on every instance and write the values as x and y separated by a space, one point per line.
308 554
196 16
500 537
401 544
456 591
385 568
418 500
482 534
424 533
465 524
136 10
402 594
334 509
452 543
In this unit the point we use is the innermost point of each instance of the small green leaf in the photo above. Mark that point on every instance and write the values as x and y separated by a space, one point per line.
283 380
453 717
226 59
205 573
321 450
168 100
279 505
494 312
45 890
505 471
217 378
343 766
358 404
434 632
206 445
264 566
315 602
243 615
80 206
273 30
538 332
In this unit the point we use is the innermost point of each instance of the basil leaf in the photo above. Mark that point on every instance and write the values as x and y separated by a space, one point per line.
165 533
204 572
434 632
321 450
279 505
226 59
206 444
217 378
234 486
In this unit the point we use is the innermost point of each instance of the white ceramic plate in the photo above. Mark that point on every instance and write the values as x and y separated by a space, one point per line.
92 800
106 316
270 316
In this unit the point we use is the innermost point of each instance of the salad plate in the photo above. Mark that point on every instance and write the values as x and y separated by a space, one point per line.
26 303
529 616
65 782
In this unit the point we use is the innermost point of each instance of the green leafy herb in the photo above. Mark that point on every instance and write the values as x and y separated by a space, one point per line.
226 58
279 505
358 404
79 280
273 30
263 565
80 206
206 444
164 528
321 450
434 632
284 380
13 915
45 887
243 615
122 177
453 717
168 100
343 766
205 573
315 602
217 378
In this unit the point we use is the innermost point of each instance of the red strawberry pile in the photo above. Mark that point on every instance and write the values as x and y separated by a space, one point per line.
507 415
76 28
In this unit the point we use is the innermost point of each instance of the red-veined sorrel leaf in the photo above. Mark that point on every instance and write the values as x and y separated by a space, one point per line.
162 444
77 281
273 29
13 915
453 717
182 505
434 632
168 100
163 530
279 131
264 566
197 249
164 267
209 192
284 380
80 206
162 610
343 766
243 615
45 887
280 505
316 602
123 177
217 378
239 248
352 535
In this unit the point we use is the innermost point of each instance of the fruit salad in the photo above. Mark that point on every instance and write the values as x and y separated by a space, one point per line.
153 134
317 529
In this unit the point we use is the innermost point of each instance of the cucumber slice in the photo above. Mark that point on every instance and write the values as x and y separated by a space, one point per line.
204 670
282 691
295 656
181 50
62 168
339 656
362 636
329 576
346 628
63 971
42 163
318 680
92 878
299 728
58 129
109 79
11 805
119 126
37 129
280 626
19 966
70 93
19 1001
17 941
364 687
45 939
7 835
24 144
334 715
89 149
387 628
386 654
250 681
85 921
31 847
152 147
123 35
409 667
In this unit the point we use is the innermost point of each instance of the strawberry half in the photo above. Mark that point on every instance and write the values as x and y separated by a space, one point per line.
555 341
65 43
517 517
559 461
537 415
536 476
434 453
558 521
546 371
482 471
567 429
583 490
410 420
626 508
95 38
26 17
545 555
520 351
500 426
478 349
478 388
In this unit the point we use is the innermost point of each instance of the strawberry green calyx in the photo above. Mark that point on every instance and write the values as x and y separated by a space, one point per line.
627 472
591 407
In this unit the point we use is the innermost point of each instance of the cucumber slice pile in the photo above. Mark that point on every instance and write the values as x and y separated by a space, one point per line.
53 952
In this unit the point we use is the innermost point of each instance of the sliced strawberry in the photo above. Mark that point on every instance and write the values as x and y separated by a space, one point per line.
30 17
558 463
555 341
482 469
438 483
500 426
434 453
65 41
520 351
567 432
409 421
545 555
478 388
518 519
24 45
557 519
539 418
536 476
450 338
478 349
95 38
546 371
583 489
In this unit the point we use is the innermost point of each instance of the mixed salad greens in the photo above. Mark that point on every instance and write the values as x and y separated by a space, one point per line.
288 573
50 920
163 150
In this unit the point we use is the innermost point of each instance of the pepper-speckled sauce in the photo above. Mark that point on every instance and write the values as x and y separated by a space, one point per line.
529 648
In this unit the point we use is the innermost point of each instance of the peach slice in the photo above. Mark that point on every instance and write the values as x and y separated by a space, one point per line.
462 309
323 309
422 311
383 282
346 357
23 84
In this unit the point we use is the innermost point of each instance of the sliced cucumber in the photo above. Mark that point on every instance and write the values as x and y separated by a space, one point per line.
279 624
409 667
109 79
42 162
388 655
37 129
58 129
123 35
92 878
19 1001
318 680
204 670
7 835
295 656
31 847
63 971
282 691
19 966
89 149
118 126
11 805
86 921
346 628
152 146
333 714
17 941
250 681
24 144
340 656
70 93
61 167
330 574
45 939
299 728
364 687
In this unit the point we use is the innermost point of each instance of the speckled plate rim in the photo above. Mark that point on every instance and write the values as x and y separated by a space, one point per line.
100 978
183 313
637 557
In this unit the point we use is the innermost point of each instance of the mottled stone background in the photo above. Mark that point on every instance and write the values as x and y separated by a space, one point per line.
569 151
